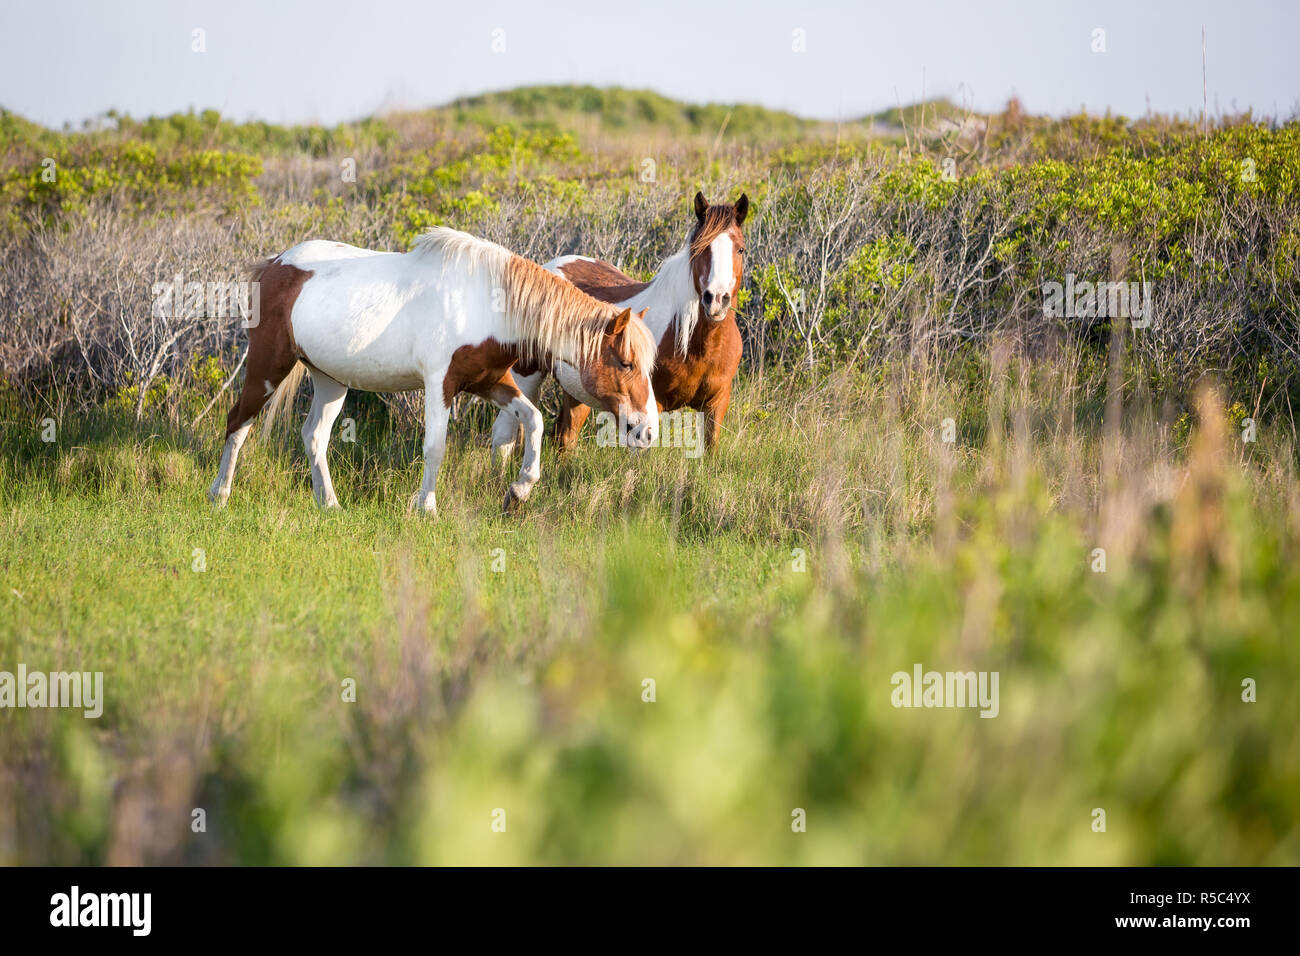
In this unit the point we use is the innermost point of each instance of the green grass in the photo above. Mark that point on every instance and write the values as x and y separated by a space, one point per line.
523 690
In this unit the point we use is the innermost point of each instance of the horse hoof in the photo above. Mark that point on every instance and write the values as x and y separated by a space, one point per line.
513 503
421 504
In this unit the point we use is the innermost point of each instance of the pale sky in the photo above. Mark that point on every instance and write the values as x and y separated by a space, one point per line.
333 60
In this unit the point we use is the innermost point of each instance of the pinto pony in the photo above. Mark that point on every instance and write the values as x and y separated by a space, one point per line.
452 315
689 307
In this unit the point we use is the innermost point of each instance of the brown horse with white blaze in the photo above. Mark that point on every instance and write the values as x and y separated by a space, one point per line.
690 310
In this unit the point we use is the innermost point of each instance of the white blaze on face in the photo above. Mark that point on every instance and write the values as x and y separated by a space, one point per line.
639 427
651 422
722 276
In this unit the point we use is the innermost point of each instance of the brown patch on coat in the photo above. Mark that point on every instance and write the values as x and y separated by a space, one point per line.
602 281
272 352
529 366
480 370
699 378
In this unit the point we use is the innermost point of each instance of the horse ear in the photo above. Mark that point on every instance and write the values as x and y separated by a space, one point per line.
701 206
619 322
641 315
742 209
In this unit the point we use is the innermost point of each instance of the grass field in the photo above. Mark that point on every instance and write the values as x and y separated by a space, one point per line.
769 592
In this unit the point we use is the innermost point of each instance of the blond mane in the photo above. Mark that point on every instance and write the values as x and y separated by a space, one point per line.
549 316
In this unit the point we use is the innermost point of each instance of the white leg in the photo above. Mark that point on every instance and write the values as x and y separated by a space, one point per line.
219 493
505 430
526 414
326 403
435 444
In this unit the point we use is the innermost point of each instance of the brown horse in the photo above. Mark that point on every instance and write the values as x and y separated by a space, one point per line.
690 310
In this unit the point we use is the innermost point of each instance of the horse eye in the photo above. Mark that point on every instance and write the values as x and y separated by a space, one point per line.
627 366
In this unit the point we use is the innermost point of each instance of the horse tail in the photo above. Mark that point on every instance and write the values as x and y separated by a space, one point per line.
255 267
289 385
282 396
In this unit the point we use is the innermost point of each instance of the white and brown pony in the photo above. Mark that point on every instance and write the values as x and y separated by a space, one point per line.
689 307
452 315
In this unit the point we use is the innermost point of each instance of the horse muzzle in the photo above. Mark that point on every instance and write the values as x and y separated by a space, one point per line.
642 430
716 306
641 436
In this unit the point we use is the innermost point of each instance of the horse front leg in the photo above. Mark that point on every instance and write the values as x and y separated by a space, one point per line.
506 430
326 403
507 397
573 415
715 410
436 414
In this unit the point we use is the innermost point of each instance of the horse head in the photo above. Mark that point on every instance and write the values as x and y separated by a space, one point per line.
718 254
617 378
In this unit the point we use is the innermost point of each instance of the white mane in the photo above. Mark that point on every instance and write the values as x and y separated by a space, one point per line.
672 293
457 246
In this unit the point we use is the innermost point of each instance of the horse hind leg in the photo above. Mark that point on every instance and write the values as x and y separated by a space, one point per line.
219 493
326 403
260 383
